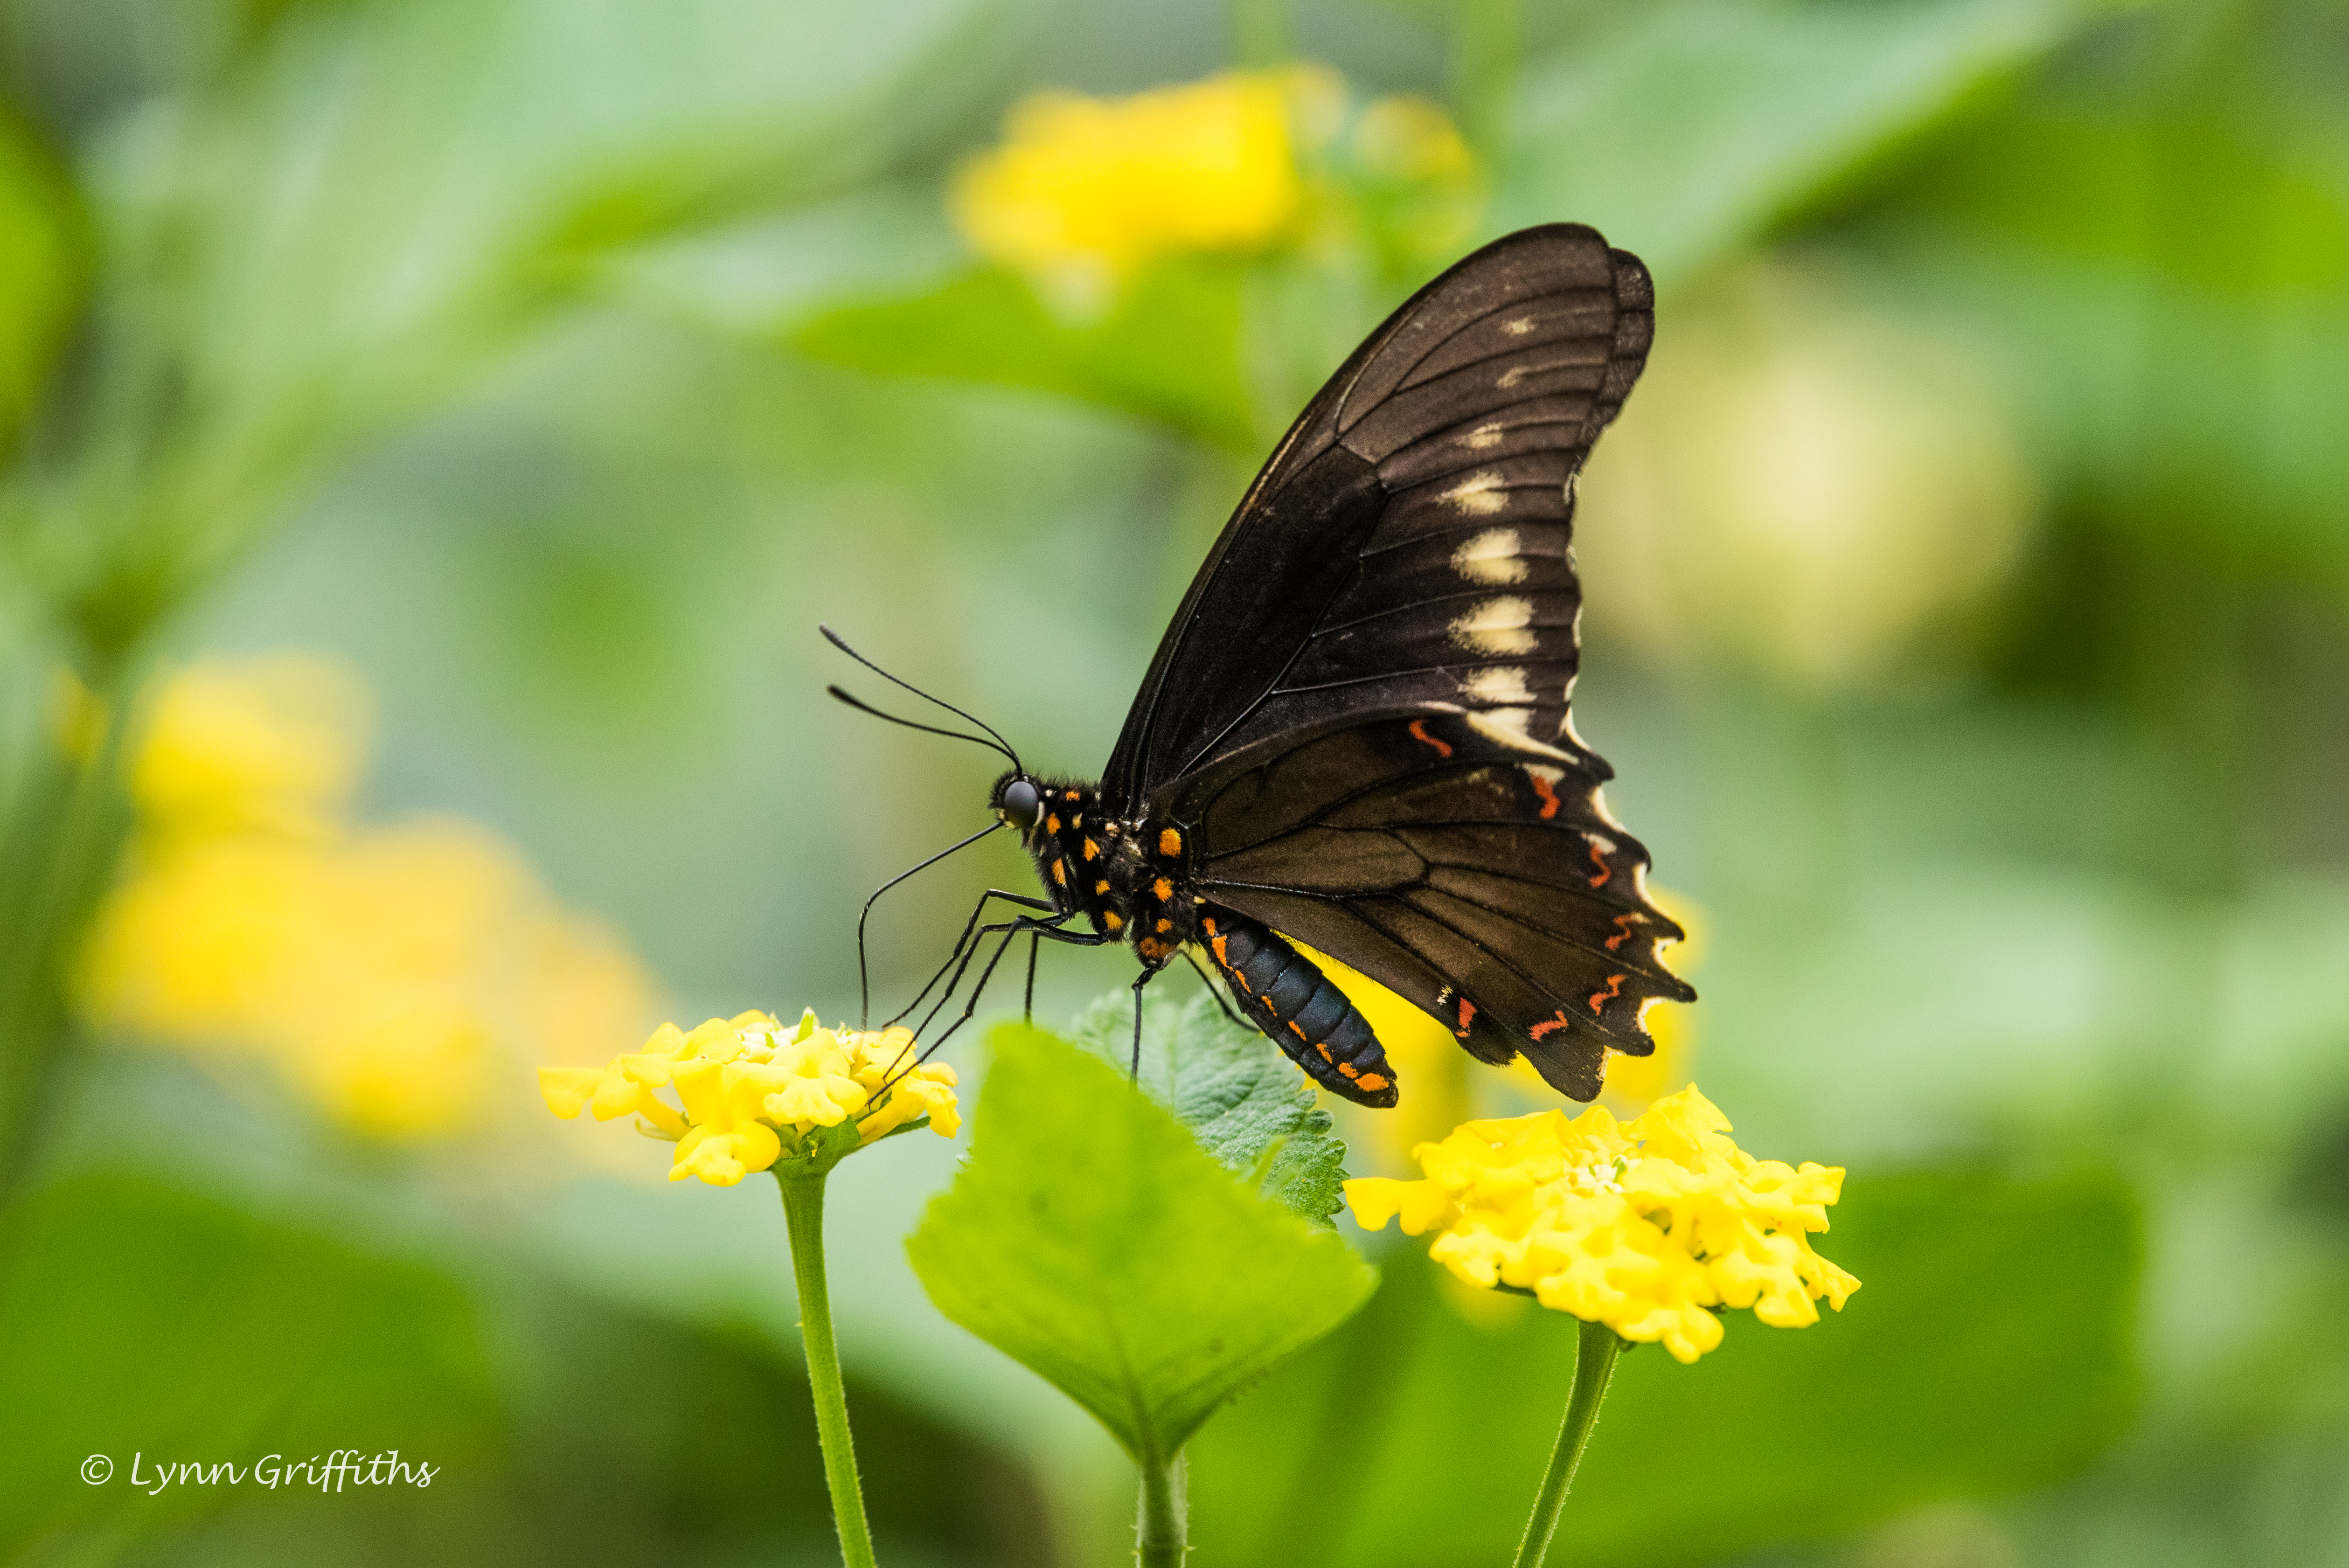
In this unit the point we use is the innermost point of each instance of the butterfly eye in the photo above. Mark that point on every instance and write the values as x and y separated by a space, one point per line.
1021 806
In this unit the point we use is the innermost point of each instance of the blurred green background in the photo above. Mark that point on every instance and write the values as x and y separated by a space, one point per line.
1968 622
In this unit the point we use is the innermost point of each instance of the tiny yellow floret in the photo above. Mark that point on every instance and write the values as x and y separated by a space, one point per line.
1646 1226
751 1092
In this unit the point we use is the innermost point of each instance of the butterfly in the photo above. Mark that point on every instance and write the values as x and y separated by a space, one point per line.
1356 734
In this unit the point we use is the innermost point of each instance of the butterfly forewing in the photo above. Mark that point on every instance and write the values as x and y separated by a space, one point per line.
1361 706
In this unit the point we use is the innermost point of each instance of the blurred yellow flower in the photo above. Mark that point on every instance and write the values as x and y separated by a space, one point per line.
1082 190
1646 1227
751 1092
268 744
386 973
1804 485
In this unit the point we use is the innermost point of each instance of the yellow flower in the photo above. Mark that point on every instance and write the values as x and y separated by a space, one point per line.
751 1092
1646 1226
1084 191
381 971
272 742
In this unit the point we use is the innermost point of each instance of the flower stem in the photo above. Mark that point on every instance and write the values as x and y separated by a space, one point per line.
803 1211
1162 1534
1594 1364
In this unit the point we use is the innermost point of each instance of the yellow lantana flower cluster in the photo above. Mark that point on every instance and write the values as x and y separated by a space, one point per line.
1084 193
1648 1226
1084 189
387 973
749 1091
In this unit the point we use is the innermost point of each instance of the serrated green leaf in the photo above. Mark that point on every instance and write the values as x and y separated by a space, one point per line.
1168 351
1245 1102
1089 1238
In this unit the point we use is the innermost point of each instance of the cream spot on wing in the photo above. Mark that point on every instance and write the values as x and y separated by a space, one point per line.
1491 557
1497 625
1508 725
1511 377
1478 495
1482 437
1498 683
1598 808
1519 327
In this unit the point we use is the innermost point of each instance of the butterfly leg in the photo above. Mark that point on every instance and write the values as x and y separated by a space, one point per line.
1133 1075
1213 989
1011 931
963 942
1028 1007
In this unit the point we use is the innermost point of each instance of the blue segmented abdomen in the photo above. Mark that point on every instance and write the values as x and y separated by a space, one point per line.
1286 994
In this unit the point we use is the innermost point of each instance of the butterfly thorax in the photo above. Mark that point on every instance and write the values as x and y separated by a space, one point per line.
1130 879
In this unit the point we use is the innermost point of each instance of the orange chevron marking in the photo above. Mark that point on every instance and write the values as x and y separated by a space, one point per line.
1599 999
1549 1025
1467 1017
1624 922
1419 733
1549 796
1605 871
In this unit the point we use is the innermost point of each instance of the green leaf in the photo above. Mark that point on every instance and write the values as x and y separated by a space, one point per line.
1245 1102
1169 349
1989 1348
1089 1238
41 269
1685 129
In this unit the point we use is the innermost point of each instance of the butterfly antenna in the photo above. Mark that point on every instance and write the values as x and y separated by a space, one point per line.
863 706
836 641
863 984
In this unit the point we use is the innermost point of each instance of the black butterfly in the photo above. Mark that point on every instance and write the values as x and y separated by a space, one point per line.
1356 729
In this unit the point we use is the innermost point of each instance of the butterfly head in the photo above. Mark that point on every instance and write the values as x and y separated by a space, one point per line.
1018 801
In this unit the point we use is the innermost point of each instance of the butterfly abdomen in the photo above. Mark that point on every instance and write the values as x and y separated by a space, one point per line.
1284 994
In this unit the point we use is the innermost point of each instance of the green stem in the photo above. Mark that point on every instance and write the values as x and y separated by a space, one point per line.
1162 1535
1594 1364
803 1211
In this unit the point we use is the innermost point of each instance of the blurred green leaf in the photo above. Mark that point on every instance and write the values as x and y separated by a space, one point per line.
1168 350
1245 1102
1089 1238
1684 131
1989 1349
140 1321
41 269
